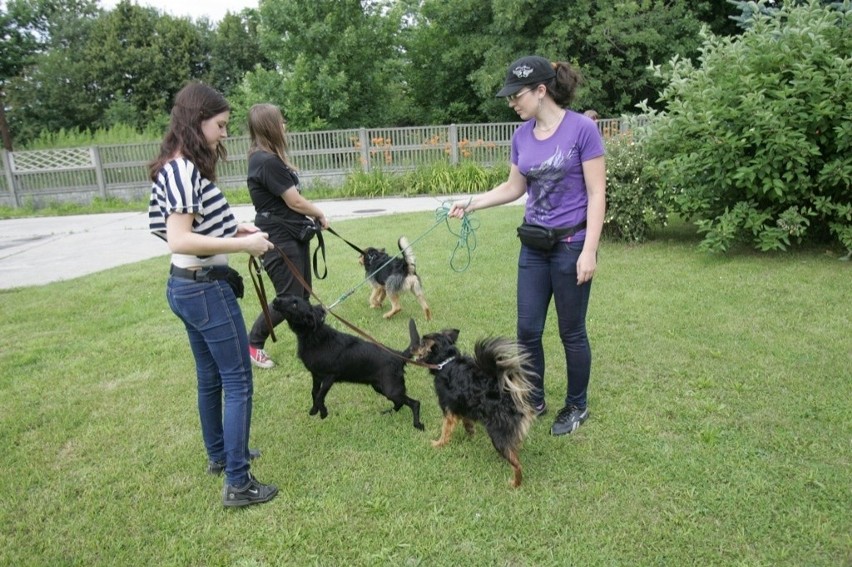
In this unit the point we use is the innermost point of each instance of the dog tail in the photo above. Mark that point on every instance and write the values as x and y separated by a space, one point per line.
504 358
408 255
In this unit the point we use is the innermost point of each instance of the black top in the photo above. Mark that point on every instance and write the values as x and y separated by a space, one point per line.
268 179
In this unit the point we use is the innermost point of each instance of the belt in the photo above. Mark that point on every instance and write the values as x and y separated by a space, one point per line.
569 231
207 274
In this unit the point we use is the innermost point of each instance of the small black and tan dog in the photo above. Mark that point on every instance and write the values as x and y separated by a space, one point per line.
332 356
493 387
391 278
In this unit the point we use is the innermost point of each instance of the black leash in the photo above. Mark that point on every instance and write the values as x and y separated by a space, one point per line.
320 248
354 247
364 334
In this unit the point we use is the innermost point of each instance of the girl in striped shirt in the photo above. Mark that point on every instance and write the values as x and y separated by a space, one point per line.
191 214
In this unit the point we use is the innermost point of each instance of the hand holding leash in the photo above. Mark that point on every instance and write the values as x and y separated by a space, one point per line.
257 243
457 210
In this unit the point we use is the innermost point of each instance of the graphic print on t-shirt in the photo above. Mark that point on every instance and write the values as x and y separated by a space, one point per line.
544 182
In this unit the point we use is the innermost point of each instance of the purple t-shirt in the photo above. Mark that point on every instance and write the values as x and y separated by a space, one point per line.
556 188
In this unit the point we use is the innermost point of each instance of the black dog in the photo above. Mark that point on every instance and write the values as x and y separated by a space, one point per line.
492 387
331 356
391 277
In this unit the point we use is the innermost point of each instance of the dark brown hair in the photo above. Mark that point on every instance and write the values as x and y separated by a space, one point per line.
266 128
564 85
194 103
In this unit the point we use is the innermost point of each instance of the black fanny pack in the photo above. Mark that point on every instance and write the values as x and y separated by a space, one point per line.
301 230
543 238
212 273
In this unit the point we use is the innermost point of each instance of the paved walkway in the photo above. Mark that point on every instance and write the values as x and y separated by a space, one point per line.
37 251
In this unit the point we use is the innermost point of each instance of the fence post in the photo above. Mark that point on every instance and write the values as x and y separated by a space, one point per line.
95 152
99 171
10 178
453 139
365 149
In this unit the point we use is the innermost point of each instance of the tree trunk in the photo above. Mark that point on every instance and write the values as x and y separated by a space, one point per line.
4 126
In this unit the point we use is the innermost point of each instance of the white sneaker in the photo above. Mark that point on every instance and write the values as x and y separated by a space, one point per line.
259 358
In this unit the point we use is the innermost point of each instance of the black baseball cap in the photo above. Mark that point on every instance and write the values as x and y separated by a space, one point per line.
529 70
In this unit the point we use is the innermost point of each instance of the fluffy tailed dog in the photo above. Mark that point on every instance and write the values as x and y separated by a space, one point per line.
391 278
331 356
493 387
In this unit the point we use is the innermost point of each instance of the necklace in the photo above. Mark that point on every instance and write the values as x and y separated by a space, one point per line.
552 126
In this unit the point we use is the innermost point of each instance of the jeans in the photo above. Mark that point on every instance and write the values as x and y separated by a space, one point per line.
542 275
217 336
285 283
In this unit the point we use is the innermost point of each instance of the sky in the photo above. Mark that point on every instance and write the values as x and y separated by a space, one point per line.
213 9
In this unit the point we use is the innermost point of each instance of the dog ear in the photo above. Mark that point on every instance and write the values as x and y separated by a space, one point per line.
452 334
412 333
319 315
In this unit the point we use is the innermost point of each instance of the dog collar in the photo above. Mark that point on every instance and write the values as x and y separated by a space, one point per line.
446 362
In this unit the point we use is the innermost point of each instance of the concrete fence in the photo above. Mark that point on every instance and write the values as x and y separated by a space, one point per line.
78 175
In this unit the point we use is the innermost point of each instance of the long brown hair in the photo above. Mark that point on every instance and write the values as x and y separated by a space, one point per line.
564 85
194 103
266 128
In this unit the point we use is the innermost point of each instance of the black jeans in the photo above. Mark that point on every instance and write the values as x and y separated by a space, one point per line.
542 275
285 283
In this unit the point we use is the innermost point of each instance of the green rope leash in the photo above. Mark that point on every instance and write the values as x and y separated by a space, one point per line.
465 237
466 241
377 270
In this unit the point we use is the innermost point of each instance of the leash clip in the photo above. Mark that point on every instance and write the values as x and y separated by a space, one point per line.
446 362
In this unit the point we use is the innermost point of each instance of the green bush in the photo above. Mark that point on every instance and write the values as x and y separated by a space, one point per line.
439 178
632 203
116 134
756 143
442 178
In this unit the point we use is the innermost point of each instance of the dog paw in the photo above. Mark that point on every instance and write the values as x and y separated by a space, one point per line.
313 411
323 413
419 426
438 443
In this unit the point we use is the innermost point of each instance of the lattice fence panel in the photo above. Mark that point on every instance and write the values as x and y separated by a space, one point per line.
46 160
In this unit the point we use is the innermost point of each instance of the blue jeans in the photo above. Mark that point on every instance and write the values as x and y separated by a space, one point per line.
542 275
217 336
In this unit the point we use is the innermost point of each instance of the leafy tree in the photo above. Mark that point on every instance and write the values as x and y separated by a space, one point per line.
31 29
121 65
16 50
618 44
446 46
336 60
141 57
459 50
755 143
235 49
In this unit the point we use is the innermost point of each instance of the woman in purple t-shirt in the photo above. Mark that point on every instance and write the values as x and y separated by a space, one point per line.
557 160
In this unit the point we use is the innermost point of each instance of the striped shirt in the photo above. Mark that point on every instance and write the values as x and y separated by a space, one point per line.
180 188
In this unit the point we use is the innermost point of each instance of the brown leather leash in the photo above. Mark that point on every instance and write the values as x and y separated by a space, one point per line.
261 294
257 280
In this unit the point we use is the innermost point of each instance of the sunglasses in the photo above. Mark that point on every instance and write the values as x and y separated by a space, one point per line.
516 96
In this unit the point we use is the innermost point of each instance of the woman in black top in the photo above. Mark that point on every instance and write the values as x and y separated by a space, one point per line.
281 212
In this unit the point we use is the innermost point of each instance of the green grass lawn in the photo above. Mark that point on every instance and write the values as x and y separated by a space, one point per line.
721 428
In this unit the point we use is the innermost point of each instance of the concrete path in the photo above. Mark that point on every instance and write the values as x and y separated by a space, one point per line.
37 251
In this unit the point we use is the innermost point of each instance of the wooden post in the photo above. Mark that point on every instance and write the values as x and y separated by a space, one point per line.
365 149
453 139
99 172
8 163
